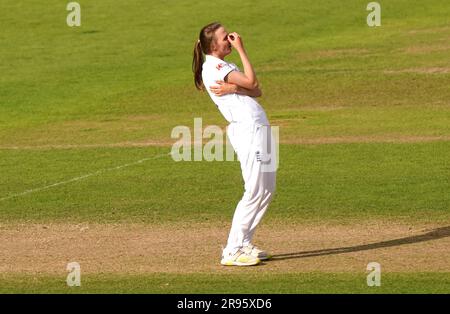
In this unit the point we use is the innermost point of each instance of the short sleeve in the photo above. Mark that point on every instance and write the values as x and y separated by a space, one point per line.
235 67
223 69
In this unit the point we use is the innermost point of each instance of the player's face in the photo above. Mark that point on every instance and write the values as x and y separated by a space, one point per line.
221 45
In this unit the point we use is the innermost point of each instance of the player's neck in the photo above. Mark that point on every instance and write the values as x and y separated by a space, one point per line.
214 54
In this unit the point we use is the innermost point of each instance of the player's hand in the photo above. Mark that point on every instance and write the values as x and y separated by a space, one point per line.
223 88
235 40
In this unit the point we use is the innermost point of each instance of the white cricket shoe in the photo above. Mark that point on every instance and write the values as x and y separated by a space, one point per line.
240 258
256 252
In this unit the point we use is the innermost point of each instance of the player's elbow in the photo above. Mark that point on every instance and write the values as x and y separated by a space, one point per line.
250 85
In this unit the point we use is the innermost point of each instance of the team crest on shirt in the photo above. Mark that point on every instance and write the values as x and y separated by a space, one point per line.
220 65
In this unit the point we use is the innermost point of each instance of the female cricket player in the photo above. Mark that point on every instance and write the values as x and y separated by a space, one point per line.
234 94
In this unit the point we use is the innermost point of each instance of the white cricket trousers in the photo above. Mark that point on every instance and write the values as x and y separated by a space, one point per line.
248 142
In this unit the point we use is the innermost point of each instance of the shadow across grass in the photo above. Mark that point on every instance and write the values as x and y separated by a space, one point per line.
434 234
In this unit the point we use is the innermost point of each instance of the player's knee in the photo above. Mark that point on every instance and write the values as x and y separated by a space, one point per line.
254 197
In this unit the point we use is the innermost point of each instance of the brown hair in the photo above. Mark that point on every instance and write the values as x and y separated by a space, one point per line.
202 46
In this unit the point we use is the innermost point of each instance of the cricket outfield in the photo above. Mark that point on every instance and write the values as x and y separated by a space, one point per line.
86 115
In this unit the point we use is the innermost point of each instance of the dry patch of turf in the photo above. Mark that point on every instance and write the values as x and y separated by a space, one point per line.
284 140
365 139
432 30
425 49
431 70
147 143
137 249
341 52
307 56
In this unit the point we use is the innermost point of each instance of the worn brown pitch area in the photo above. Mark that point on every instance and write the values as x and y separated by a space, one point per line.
135 249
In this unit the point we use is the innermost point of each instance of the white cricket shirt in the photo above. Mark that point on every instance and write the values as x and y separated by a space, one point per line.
234 107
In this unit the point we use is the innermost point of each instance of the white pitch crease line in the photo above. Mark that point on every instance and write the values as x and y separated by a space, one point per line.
82 177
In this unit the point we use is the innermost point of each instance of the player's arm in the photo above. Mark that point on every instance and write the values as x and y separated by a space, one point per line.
256 92
223 88
247 79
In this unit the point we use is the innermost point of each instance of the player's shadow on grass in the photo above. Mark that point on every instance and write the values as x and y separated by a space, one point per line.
435 234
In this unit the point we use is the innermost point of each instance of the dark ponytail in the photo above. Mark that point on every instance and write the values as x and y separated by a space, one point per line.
197 63
202 46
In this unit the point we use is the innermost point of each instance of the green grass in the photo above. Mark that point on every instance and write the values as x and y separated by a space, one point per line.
231 283
88 84
315 183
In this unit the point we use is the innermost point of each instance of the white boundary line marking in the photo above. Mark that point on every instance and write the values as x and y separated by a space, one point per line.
82 177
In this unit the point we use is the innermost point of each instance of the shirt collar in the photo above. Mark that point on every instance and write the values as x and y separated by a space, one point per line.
211 57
